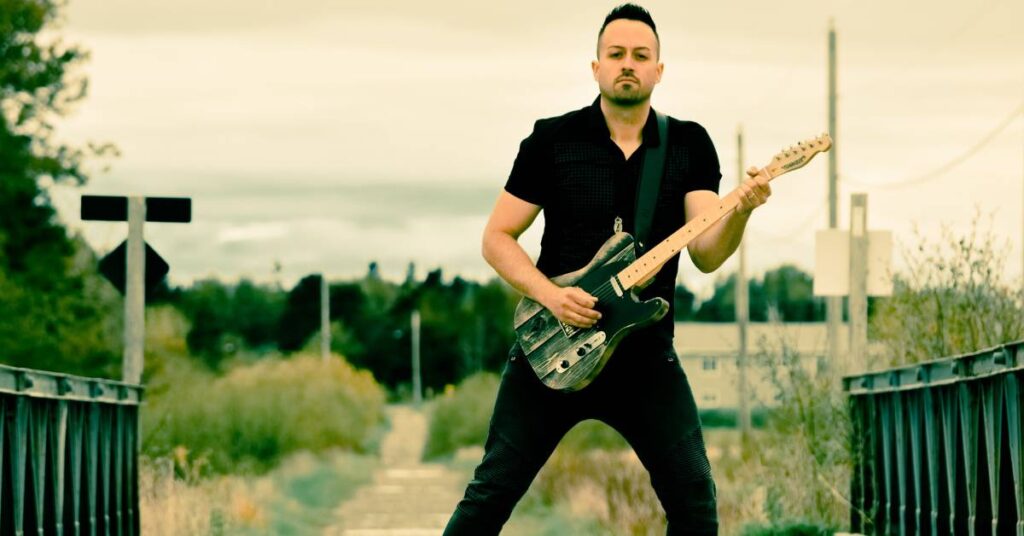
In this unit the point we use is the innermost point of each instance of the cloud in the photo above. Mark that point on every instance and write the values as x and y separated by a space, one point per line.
257 232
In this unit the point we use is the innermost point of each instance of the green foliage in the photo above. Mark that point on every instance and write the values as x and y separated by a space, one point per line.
52 310
461 417
685 300
255 415
951 300
465 327
301 315
71 325
786 290
224 318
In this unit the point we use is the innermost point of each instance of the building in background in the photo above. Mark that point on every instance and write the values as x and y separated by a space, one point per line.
708 352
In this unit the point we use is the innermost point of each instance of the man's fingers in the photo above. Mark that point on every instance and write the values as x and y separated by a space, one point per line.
579 320
581 297
585 312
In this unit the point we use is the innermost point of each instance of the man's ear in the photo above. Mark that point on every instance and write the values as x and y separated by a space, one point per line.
594 65
661 71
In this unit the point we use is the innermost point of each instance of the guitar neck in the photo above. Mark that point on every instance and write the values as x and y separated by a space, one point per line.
649 263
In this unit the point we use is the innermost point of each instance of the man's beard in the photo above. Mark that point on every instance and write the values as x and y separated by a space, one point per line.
628 94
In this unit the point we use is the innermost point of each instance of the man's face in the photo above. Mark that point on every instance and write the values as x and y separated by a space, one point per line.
627 66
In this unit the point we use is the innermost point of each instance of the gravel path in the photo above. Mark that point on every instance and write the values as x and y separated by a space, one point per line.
407 497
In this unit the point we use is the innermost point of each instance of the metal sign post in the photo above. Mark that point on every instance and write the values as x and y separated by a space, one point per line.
136 211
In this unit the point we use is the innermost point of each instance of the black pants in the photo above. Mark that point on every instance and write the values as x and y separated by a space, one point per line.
642 394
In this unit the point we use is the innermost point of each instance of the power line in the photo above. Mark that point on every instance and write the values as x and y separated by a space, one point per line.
941 170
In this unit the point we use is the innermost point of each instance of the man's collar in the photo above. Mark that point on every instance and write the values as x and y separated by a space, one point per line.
599 127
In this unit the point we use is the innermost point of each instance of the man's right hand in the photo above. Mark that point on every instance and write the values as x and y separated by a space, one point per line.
572 305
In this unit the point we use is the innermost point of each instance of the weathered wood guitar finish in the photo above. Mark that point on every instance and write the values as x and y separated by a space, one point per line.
568 358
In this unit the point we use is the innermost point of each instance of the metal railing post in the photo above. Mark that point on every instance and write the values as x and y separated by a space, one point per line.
937 446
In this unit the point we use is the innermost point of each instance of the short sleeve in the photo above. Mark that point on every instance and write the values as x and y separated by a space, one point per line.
526 180
705 171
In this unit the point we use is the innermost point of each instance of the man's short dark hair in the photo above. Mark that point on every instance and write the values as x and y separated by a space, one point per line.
629 12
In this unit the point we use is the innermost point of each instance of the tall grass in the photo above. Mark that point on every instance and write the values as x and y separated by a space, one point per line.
297 497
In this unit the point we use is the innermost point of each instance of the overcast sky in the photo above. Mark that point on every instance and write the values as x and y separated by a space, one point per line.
323 135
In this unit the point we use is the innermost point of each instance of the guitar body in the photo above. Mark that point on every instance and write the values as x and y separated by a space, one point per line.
567 358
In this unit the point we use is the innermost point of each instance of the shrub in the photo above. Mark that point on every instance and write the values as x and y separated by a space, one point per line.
461 417
951 300
256 414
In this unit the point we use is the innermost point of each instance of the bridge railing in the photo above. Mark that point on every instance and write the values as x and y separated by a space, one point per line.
69 449
938 446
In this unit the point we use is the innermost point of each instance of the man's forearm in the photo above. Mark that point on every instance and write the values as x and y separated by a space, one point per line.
711 249
511 262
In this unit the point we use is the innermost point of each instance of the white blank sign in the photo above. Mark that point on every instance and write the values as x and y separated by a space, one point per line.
832 263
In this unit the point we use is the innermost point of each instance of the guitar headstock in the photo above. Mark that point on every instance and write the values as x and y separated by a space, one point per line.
798 156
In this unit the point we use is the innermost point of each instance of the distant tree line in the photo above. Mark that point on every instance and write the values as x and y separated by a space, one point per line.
465 325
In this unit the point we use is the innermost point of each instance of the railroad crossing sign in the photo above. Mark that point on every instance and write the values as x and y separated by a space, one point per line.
134 266
113 267
115 208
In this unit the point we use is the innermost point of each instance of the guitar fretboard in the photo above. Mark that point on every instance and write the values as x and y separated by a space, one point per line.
651 261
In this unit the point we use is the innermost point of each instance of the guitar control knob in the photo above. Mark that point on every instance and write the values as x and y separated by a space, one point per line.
565 363
580 351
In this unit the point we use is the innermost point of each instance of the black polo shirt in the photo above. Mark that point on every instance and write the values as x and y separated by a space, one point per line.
571 167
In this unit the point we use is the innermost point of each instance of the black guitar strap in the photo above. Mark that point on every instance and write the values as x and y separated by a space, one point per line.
651 170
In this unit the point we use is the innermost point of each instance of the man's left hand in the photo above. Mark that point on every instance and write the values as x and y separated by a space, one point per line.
753 192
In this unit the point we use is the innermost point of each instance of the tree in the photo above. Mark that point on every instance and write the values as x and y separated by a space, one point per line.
786 290
790 291
684 302
301 316
53 315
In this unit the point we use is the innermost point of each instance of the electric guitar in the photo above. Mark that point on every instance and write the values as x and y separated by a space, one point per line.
568 358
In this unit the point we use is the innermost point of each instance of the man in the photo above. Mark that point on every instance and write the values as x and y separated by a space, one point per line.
582 169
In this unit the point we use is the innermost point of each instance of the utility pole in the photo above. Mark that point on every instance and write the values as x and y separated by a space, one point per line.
325 319
834 311
742 311
858 303
417 397
135 292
